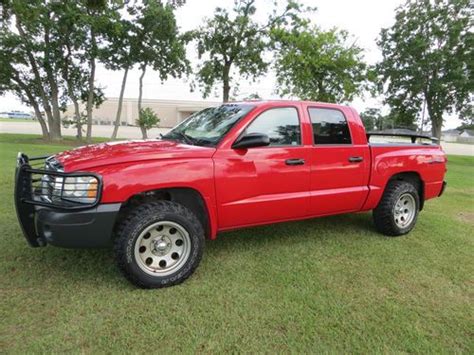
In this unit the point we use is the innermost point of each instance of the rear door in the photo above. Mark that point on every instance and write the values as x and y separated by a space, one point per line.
339 163
264 184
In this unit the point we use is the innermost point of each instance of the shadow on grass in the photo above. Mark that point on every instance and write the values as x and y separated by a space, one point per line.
94 268
341 226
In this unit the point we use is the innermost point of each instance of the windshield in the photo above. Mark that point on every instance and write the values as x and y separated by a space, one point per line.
208 127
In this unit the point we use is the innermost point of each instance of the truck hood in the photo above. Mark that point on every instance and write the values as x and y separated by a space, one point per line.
90 156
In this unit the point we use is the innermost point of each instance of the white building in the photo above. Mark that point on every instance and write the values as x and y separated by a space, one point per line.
170 112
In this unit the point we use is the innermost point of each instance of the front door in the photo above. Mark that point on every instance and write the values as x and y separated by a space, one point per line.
264 184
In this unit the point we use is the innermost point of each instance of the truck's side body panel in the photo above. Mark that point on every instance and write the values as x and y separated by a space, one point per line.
428 162
122 181
256 186
246 187
337 184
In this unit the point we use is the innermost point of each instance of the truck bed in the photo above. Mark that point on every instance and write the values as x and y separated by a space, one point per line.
425 161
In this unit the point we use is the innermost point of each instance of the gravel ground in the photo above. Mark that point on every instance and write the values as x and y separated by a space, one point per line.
134 132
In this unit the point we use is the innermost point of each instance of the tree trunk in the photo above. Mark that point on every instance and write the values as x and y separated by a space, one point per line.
140 95
144 133
120 102
77 111
44 127
322 96
436 127
72 95
51 75
422 124
39 117
90 97
39 84
77 114
226 83
55 128
32 101
436 119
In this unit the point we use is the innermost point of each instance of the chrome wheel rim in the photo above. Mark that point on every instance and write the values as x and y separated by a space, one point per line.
404 210
162 248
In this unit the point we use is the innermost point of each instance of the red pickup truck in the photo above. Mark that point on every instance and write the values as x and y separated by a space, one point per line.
237 165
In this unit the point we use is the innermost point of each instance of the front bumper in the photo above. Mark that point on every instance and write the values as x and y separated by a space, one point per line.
84 229
42 223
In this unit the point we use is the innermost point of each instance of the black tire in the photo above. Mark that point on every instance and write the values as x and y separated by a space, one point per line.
384 214
143 216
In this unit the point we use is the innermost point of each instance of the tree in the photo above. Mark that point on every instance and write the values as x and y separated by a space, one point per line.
70 20
97 14
428 59
252 96
318 65
23 85
374 120
30 60
147 120
47 59
79 26
371 118
119 55
156 43
224 43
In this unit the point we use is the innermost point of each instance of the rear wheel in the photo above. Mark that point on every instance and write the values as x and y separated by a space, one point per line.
159 244
398 209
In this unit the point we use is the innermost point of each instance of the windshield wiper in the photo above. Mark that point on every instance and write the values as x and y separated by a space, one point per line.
204 141
184 137
181 136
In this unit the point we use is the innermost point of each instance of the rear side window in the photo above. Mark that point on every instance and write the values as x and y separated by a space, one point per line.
281 125
329 126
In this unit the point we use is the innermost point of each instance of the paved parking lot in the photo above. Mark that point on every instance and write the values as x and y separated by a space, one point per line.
134 133
458 148
97 131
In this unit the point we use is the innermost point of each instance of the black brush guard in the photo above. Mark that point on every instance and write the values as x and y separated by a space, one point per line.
30 192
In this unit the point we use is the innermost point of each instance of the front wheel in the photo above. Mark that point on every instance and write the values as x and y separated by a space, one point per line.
159 244
397 211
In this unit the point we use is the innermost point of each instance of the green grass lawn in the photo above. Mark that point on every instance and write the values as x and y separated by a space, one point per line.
324 285
32 139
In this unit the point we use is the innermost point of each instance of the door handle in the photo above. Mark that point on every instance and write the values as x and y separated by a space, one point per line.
355 159
294 162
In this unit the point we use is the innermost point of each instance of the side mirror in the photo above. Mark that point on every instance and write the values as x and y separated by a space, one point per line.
251 140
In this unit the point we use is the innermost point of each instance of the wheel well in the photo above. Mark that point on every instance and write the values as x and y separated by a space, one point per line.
187 197
414 179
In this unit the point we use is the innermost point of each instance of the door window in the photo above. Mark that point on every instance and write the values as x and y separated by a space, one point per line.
281 125
329 126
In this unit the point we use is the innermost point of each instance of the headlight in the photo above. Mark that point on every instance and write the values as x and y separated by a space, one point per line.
82 189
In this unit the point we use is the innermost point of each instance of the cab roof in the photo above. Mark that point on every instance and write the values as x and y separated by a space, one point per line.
283 102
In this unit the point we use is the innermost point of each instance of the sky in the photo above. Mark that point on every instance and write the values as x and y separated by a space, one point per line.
363 19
